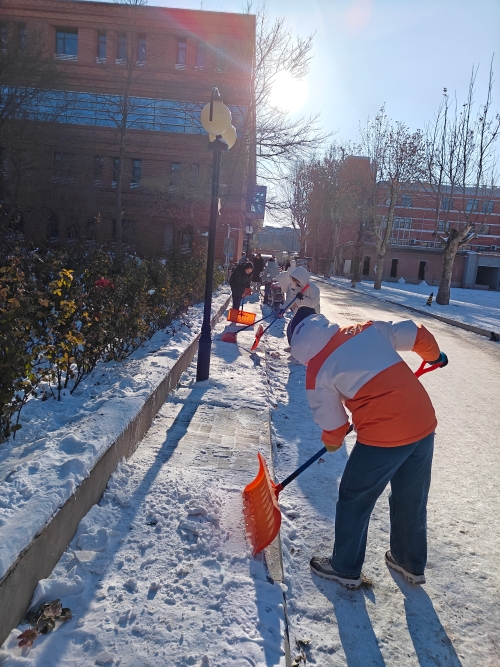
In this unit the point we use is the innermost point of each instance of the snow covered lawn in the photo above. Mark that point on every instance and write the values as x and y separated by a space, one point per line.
60 442
480 308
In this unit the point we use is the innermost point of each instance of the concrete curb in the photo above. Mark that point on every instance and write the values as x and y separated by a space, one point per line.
447 320
39 559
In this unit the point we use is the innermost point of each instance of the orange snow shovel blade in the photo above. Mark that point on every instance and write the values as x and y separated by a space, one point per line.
229 337
241 316
260 508
258 336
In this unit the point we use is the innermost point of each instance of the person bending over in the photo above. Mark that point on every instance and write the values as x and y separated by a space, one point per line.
358 367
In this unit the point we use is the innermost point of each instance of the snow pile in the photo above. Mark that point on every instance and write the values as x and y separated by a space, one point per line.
156 581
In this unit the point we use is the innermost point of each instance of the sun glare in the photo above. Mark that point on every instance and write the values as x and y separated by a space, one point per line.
289 93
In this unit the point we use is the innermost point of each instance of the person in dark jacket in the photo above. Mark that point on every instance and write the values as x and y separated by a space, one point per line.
240 280
258 268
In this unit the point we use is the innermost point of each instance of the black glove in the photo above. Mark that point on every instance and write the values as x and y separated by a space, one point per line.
300 296
442 359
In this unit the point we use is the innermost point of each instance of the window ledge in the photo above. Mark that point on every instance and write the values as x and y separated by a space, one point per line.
100 60
64 56
134 186
120 61
180 66
199 68
140 63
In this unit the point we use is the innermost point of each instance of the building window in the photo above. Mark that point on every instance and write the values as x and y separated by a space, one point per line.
443 226
421 270
175 173
366 266
487 207
472 205
201 56
136 174
407 201
116 170
98 170
446 204
402 223
180 63
67 43
4 36
220 59
186 242
101 47
121 54
63 167
168 237
21 36
394 268
141 50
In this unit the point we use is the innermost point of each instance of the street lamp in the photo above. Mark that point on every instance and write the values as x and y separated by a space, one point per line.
249 232
216 120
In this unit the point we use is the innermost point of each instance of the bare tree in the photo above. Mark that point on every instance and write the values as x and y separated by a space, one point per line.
461 173
267 132
397 157
297 191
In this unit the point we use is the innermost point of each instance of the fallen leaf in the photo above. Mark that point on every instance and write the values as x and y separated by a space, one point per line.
28 637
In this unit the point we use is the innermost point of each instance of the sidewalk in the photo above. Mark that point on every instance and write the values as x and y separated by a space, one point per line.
159 573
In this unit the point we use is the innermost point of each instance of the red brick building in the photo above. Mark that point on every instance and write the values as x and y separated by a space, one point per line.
132 83
414 252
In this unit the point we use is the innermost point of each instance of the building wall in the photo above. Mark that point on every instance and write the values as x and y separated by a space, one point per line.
157 79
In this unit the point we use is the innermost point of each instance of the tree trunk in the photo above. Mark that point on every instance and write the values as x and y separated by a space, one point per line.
358 254
450 252
302 247
385 240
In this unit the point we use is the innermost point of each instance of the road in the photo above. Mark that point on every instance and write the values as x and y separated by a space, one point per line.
453 619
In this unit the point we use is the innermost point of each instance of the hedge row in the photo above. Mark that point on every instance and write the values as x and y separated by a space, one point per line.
63 312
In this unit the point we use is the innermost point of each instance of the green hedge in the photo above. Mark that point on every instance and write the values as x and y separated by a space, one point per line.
63 312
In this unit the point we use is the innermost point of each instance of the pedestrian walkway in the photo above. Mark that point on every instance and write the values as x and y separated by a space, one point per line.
159 572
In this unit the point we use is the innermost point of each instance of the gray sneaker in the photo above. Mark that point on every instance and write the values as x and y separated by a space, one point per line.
321 566
409 576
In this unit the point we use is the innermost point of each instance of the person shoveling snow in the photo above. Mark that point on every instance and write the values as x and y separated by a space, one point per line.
359 367
310 297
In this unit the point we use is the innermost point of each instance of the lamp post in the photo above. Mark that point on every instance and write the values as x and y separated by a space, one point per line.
249 232
216 120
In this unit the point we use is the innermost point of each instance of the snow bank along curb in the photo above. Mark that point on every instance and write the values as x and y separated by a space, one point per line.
447 320
39 558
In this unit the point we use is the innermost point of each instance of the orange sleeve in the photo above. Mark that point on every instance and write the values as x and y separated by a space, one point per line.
425 344
336 437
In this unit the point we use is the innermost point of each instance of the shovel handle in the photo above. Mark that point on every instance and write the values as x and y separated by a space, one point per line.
303 467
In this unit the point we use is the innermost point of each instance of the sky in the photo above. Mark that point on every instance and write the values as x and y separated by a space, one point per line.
400 53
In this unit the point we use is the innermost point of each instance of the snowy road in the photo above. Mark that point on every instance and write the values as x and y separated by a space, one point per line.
453 620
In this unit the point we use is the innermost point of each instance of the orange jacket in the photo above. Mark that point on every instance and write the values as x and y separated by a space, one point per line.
358 367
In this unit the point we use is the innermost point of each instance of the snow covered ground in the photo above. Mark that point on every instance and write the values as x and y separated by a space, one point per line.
453 620
60 442
478 307
159 572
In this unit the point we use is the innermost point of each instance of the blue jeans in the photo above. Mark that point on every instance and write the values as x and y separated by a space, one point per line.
367 473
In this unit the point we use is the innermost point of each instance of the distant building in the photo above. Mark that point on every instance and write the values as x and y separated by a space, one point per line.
414 251
273 239
150 70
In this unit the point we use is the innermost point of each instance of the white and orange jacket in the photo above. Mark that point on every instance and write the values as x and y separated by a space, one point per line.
358 367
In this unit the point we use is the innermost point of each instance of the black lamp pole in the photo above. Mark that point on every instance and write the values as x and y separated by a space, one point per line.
205 345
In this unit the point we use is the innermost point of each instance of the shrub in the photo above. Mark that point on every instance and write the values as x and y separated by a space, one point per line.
63 312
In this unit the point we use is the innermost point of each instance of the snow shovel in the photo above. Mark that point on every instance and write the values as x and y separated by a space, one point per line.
230 336
240 316
261 331
260 498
